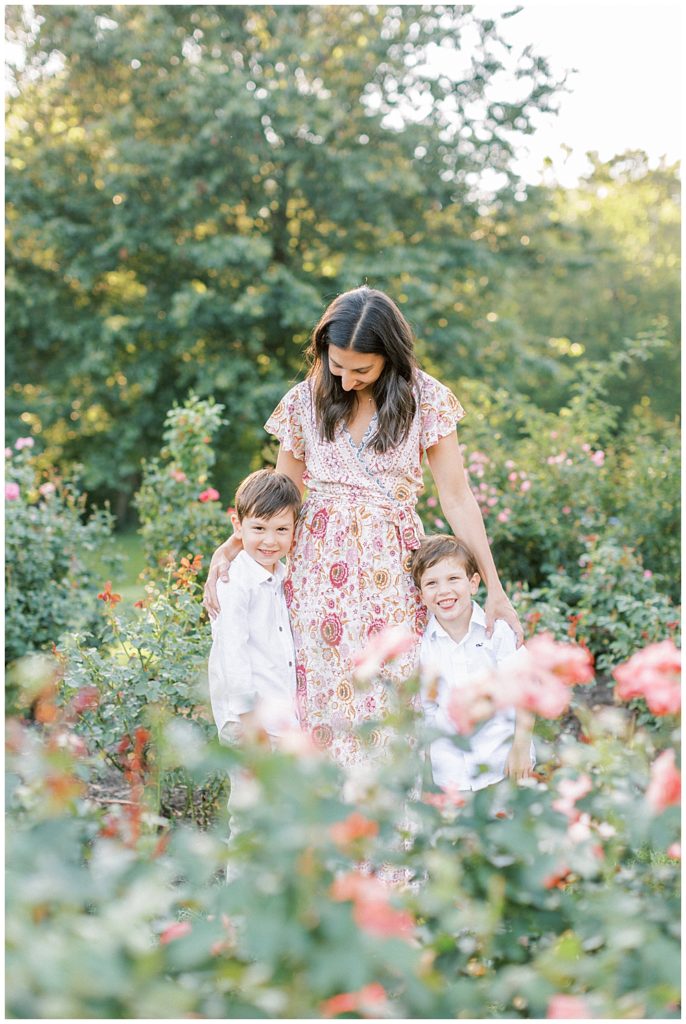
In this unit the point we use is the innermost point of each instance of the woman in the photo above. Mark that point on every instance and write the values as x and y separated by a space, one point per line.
354 433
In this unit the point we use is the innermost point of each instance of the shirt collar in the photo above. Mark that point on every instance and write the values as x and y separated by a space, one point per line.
476 622
256 573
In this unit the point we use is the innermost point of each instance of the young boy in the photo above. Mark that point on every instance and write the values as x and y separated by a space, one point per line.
252 662
455 646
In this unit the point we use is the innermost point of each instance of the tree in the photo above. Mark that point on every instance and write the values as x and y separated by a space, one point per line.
188 186
587 272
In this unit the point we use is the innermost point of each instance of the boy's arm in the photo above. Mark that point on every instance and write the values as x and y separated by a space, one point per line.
232 688
518 763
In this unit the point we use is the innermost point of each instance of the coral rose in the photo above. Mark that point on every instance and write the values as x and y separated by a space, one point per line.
664 788
655 674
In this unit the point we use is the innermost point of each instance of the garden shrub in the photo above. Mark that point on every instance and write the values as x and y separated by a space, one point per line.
179 510
49 536
545 480
140 672
562 891
611 604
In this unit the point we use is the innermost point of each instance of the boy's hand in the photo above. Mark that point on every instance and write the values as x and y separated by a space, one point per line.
251 729
518 764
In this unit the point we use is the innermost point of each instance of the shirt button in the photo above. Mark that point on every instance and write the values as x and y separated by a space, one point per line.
280 629
290 664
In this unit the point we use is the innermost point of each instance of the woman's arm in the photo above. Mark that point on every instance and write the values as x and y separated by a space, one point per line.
287 464
464 516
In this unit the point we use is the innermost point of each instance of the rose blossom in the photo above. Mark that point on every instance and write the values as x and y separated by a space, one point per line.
175 931
368 1002
655 674
598 458
11 491
46 489
209 495
664 788
389 643
24 442
563 1007
570 791
569 663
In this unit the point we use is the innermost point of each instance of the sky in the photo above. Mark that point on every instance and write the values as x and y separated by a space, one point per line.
626 93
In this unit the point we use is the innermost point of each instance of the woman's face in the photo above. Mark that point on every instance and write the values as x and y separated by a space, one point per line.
357 370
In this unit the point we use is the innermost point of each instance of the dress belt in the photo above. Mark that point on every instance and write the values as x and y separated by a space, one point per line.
402 515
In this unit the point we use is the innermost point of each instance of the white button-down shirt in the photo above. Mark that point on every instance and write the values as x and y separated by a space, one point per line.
252 660
453 664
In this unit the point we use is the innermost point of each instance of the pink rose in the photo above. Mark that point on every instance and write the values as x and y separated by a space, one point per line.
46 489
655 674
209 495
179 476
598 458
385 645
8 453
569 663
512 477
11 491
674 851
563 1007
647 574
175 931
24 442
526 486
503 516
570 791
431 502
664 788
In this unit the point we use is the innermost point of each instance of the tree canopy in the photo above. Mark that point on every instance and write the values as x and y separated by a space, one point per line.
189 186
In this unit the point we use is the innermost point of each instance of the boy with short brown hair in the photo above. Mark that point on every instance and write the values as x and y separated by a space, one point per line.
456 649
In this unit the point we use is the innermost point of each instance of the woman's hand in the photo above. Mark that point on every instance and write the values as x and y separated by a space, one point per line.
498 606
219 570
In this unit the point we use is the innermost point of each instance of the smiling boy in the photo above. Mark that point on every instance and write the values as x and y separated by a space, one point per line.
456 649
251 667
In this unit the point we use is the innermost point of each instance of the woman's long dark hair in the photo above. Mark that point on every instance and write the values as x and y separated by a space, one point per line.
365 320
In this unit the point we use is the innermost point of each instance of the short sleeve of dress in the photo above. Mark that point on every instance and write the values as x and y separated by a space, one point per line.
439 410
286 422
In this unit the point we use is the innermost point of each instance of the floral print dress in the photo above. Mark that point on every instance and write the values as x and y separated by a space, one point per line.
349 572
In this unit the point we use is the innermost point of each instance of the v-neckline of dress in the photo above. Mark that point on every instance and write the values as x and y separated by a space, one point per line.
359 445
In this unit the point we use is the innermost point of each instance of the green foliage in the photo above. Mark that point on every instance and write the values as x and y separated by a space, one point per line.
141 665
546 481
49 533
180 514
516 897
612 606
585 270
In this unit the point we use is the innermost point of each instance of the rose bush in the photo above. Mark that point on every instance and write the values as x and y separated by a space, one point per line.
49 534
178 511
523 901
